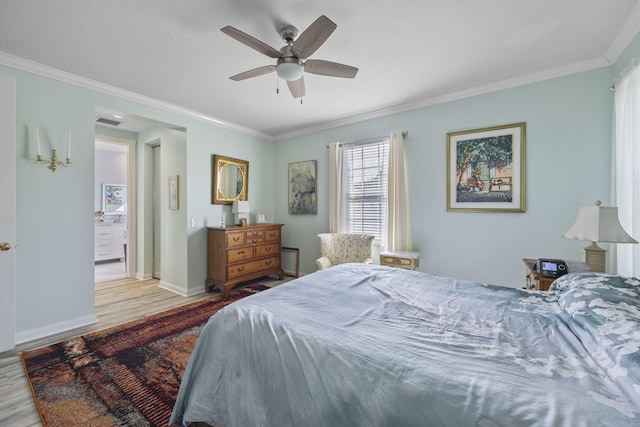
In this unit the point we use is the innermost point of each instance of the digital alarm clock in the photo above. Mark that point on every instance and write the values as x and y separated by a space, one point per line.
551 267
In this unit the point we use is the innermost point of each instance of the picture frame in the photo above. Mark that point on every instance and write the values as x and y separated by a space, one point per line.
230 180
261 218
174 199
114 199
302 187
486 169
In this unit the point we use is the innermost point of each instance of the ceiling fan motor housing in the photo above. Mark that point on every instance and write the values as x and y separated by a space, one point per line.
288 33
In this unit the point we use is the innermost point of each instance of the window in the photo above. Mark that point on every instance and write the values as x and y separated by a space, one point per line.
365 187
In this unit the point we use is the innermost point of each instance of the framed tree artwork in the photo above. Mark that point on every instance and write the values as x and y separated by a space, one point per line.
486 169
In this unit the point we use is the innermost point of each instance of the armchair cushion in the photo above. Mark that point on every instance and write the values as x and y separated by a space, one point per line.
341 248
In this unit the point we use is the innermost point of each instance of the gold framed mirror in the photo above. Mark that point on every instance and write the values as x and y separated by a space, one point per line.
230 180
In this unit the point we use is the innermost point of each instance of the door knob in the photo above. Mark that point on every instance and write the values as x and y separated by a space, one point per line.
5 246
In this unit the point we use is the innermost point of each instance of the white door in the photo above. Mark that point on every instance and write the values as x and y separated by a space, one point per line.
7 210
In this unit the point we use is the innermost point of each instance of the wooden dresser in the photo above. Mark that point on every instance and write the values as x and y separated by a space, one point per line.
236 254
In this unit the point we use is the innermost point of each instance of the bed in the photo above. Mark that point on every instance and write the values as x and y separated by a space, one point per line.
367 345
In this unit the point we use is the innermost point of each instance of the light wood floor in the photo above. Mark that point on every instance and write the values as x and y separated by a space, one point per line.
115 303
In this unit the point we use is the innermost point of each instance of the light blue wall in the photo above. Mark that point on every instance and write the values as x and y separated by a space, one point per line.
173 223
567 164
567 160
54 230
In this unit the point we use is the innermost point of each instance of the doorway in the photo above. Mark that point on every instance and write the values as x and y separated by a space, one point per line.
157 212
113 190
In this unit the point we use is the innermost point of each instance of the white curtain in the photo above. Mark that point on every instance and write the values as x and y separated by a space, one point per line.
626 166
336 216
398 225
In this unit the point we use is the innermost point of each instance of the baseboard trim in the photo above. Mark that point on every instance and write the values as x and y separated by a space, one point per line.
56 328
180 291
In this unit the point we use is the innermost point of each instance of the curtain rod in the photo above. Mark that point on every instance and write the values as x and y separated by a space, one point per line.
340 144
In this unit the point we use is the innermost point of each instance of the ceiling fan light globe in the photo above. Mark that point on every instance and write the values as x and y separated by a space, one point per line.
290 71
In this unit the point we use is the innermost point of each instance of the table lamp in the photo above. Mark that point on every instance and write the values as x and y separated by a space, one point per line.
597 224
241 209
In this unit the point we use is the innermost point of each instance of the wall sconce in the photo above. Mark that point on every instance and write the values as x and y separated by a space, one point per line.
54 162
241 209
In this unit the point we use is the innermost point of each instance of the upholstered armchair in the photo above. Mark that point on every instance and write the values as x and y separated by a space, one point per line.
340 248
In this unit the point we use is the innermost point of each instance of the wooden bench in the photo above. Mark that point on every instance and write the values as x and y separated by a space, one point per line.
500 184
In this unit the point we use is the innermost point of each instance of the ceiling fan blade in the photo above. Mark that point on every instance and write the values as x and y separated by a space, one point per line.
296 87
254 73
328 68
252 42
313 37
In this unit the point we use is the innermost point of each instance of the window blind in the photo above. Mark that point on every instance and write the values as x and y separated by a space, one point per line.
365 195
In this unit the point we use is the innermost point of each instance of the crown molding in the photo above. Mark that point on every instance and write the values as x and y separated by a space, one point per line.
453 96
53 73
84 82
627 33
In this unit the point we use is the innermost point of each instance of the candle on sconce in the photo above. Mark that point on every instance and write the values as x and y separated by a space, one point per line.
37 142
69 148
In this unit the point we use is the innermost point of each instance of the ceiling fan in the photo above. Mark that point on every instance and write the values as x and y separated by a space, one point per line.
290 65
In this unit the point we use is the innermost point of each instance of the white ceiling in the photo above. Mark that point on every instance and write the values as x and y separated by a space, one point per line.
409 53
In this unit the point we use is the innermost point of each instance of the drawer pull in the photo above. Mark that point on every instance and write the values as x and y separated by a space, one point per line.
240 252
240 269
267 249
235 239
268 262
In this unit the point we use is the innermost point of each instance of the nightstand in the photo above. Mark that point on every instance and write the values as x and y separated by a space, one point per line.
406 260
534 280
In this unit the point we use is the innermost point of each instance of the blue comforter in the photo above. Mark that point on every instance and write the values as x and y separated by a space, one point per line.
365 345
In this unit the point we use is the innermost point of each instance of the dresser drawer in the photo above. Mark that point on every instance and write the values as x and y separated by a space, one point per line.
267 249
272 235
236 271
237 238
240 254
406 260
255 236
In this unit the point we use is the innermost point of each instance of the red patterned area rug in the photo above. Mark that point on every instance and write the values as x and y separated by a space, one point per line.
127 375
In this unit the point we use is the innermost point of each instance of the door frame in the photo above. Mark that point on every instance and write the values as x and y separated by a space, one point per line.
131 198
8 141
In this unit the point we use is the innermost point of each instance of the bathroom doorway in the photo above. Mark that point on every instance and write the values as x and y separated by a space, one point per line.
112 216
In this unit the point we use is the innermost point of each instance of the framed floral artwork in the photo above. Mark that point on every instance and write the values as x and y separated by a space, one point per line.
114 199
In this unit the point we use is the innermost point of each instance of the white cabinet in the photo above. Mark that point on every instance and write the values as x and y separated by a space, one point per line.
118 239
109 241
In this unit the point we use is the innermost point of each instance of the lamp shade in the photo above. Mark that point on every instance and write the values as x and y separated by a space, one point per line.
598 224
241 206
